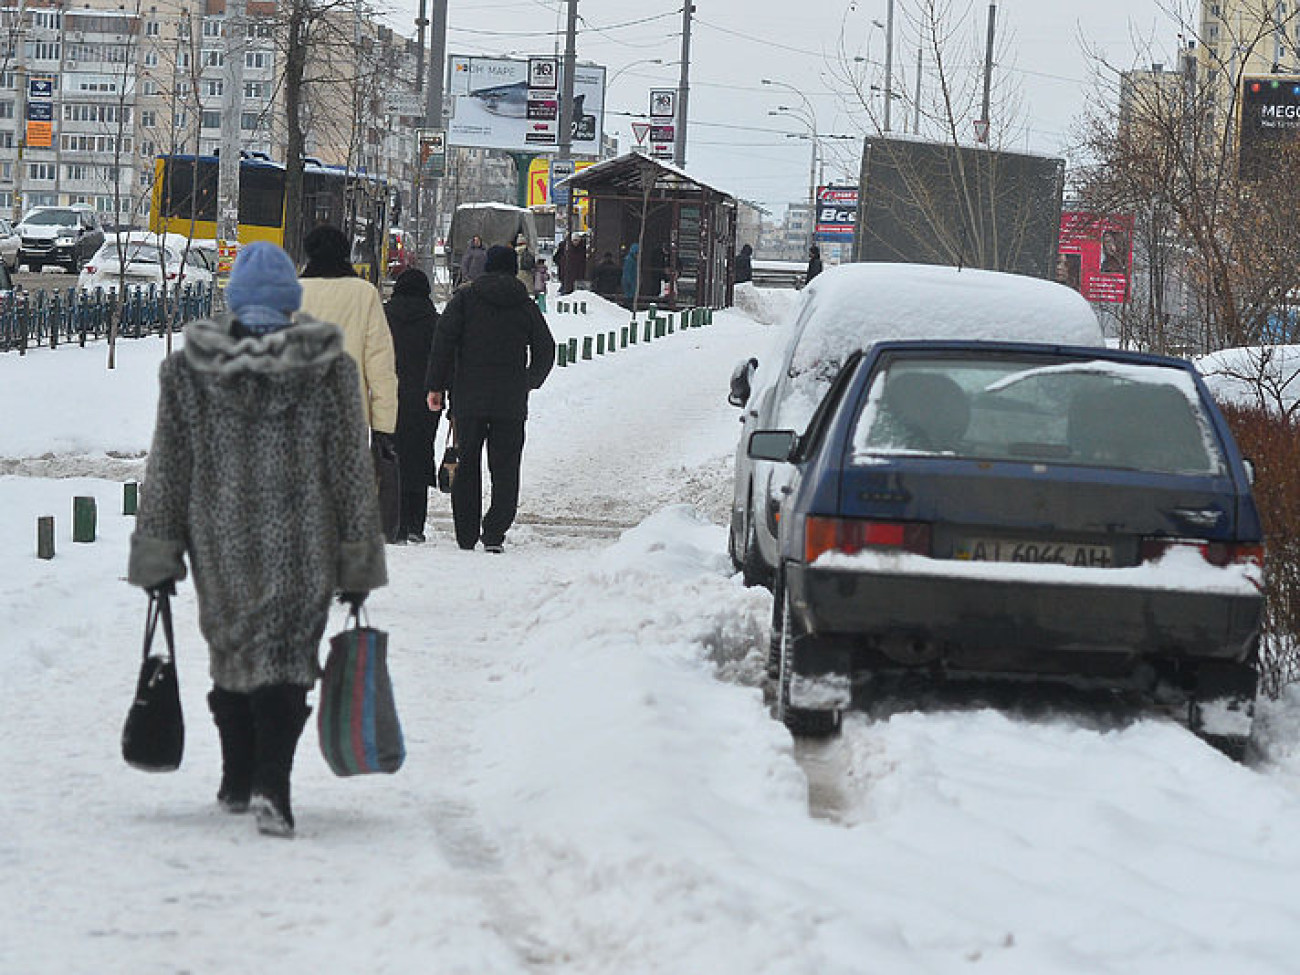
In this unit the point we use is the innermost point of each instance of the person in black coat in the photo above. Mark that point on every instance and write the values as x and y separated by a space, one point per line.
412 319
608 277
491 348
814 263
745 265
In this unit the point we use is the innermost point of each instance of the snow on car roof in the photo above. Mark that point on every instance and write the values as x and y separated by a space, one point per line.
853 305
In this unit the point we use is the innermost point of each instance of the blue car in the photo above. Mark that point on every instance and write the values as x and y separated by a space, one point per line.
971 509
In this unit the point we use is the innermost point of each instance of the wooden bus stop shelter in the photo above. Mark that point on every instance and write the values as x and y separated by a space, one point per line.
686 229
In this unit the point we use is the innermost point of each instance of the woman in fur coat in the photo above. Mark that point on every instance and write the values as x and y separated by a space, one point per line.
259 474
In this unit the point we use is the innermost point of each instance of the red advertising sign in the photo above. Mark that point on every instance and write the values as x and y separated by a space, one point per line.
1095 255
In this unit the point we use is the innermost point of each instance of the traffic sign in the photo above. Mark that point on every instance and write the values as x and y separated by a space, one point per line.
640 130
981 130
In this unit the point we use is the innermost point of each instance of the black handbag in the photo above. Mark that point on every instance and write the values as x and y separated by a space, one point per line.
450 460
153 738
388 479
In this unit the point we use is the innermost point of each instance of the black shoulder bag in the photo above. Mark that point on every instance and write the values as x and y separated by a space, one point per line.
153 738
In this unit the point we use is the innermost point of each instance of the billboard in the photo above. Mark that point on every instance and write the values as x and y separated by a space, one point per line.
495 104
1268 121
1096 254
937 203
837 213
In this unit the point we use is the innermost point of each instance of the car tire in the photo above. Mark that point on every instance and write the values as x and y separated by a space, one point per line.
800 722
753 570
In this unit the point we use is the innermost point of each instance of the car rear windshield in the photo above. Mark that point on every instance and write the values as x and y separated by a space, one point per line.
1092 413
137 252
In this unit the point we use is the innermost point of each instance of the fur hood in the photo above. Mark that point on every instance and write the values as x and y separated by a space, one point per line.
261 373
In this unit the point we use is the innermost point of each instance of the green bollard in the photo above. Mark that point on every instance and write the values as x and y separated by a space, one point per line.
622 337
632 331
649 330
130 497
610 342
83 519
659 328
586 346
573 350
45 537
600 343
582 307
562 355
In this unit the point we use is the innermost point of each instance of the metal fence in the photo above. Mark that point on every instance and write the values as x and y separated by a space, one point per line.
52 318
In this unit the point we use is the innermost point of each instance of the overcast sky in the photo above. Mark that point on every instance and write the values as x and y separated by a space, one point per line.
733 142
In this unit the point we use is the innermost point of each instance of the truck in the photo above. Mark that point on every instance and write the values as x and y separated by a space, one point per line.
494 223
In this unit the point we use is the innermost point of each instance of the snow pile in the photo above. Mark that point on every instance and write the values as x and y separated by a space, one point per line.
765 305
1266 376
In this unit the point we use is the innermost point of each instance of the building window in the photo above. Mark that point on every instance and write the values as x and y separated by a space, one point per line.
254 89
151 59
210 120
212 27
148 118
151 28
249 121
257 59
213 87
150 88
6 109
42 172
213 59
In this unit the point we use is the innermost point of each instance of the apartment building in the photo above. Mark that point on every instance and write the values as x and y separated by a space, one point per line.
121 85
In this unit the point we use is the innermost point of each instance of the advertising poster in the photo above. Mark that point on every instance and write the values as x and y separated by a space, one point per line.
1095 255
837 213
433 152
495 105
1269 121
40 125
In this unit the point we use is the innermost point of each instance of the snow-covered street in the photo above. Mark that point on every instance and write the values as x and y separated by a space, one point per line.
594 783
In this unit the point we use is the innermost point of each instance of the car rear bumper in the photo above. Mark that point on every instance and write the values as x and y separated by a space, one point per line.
995 626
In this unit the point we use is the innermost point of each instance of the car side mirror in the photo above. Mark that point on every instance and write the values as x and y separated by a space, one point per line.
742 382
774 445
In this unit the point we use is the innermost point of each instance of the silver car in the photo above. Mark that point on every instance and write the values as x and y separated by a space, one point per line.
9 244
848 308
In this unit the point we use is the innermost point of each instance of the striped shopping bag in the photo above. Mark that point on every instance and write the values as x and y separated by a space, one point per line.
357 718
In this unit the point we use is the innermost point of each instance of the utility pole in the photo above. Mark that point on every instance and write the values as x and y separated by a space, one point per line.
683 88
916 105
988 73
421 22
433 119
566 109
20 114
232 114
889 62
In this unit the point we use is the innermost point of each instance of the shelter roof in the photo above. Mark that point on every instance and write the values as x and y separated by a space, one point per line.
624 173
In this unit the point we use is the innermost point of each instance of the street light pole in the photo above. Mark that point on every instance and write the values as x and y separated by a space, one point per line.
889 61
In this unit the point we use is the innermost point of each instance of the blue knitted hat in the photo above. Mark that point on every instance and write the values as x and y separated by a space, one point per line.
263 288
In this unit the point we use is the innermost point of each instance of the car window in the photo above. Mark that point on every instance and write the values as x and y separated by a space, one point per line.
1081 412
51 218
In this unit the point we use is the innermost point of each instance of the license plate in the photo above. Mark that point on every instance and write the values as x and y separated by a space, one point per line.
1021 550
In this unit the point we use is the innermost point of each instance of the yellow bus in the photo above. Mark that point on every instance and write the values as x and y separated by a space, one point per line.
185 202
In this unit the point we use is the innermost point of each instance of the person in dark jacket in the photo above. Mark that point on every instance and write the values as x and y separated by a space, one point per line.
259 475
491 348
471 264
814 263
745 265
574 268
412 318
607 279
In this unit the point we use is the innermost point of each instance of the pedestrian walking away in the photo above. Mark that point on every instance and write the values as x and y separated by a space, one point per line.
525 262
631 275
541 277
412 319
259 475
471 265
491 348
332 292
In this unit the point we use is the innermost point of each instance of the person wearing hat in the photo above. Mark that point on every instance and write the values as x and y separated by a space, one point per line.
260 477
525 261
412 318
491 348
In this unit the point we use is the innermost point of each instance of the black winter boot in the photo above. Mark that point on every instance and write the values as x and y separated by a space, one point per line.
234 718
279 713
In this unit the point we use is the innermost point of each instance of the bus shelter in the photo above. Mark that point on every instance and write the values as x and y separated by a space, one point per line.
685 229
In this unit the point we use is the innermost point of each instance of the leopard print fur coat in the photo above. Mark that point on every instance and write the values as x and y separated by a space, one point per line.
259 472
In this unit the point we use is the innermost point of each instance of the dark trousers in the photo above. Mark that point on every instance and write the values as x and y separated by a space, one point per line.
504 439
415 511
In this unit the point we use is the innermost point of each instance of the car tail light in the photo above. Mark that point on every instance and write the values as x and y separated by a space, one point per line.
1216 553
850 535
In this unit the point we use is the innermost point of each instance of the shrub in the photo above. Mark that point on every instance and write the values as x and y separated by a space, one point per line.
1272 443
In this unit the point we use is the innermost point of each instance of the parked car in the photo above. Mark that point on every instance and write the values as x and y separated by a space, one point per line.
10 243
150 259
964 508
846 309
67 236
